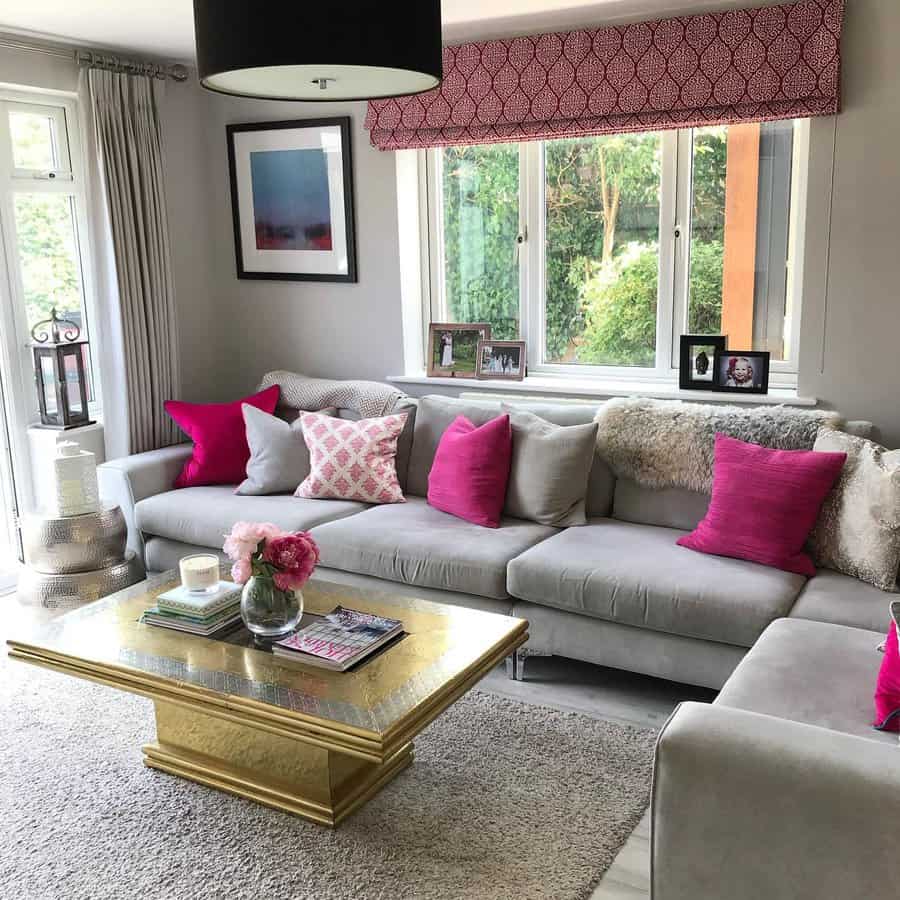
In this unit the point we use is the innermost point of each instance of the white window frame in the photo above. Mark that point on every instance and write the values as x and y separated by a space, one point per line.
674 259
16 357
68 179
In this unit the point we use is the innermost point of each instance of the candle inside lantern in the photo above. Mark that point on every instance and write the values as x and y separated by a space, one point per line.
199 572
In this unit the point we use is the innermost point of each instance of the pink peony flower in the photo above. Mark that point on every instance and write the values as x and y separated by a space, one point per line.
293 555
244 538
285 582
241 571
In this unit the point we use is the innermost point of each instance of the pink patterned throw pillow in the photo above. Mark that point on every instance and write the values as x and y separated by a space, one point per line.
352 460
764 503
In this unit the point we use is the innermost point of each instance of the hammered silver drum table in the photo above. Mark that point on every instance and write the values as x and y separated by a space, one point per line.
71 560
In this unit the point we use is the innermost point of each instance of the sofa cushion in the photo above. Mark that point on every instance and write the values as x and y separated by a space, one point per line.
433 417
162 554
812 673
842 600
414 543
550 467
669 507
204 515
637 575
601 481
858 531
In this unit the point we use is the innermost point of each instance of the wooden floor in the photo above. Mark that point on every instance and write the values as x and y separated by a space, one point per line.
559 683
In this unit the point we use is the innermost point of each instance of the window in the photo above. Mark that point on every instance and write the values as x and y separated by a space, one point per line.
43 264
42 206
601 251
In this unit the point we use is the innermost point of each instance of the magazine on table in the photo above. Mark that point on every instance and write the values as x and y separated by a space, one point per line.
339 639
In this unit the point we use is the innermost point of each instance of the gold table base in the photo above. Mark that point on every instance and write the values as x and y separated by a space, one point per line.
316 783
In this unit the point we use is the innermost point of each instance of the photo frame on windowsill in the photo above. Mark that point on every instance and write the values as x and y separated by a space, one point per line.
697 362
453 348
741 372
502 360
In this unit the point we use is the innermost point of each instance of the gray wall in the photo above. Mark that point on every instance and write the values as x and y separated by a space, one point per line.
327 329
852 273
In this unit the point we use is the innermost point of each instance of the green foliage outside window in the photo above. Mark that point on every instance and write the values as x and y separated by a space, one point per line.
602 233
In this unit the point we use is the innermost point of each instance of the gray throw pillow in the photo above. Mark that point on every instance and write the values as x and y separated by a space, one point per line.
548 478
858 529
279 458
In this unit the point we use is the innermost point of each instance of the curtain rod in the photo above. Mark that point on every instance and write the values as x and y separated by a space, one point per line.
99 60
115 63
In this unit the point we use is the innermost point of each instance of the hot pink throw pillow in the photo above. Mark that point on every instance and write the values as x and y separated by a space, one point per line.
887 689
352 460
764 503
470 470
219 436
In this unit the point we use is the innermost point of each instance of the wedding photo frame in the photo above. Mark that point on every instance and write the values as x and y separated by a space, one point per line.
697 363
292 199
501 360
741 371
453 348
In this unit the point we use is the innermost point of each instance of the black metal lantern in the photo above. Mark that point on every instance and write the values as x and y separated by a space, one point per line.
59 373
284 50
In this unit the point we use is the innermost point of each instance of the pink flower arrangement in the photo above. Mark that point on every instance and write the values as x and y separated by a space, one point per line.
264 550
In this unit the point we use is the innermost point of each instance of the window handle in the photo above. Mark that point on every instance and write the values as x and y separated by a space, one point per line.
521 237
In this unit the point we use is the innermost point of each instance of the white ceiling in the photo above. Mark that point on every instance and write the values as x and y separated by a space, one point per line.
165 28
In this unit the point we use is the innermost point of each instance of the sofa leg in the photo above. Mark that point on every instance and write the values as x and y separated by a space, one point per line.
519 665
512 667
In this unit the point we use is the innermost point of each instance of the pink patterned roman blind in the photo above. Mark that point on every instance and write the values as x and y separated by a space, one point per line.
776 62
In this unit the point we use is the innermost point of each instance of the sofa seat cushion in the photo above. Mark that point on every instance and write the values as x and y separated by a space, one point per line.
414 543
204 515
844 600
637 575
812 673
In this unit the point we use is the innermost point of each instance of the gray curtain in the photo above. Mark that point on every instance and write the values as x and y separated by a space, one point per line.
140 331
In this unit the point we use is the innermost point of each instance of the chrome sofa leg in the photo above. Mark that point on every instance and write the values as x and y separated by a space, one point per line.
511 667
521 655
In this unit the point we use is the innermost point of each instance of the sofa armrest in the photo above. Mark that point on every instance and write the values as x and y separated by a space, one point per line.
748 806
128 480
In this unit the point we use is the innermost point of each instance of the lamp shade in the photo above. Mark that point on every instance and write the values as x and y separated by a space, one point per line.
280 50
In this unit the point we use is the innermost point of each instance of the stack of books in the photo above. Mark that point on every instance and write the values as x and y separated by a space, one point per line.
338 640
203 613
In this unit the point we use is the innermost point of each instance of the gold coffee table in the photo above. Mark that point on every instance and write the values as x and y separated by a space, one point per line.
302 739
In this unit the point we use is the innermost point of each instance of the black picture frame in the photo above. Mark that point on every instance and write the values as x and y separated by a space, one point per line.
343 122
760 382
686 379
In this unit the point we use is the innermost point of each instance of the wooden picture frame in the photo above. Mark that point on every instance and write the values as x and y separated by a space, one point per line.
501 360
690 376
444 338
731 366
292 199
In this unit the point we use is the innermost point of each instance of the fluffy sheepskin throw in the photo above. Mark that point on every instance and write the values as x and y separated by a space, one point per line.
668 443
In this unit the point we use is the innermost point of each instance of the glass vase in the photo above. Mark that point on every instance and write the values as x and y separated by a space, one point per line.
268 612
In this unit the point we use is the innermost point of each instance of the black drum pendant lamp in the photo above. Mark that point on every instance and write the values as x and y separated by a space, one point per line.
350 50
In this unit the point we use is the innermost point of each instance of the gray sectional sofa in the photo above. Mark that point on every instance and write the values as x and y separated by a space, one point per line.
617 591
778 789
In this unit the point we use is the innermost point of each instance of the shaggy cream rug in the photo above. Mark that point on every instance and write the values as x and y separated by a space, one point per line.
504 800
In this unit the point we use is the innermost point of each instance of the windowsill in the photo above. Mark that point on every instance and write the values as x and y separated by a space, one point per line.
600 388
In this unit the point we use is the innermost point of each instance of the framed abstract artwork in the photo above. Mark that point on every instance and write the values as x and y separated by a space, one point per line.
292 199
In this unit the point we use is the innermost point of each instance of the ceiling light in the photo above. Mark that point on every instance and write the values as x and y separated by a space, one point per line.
279 50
